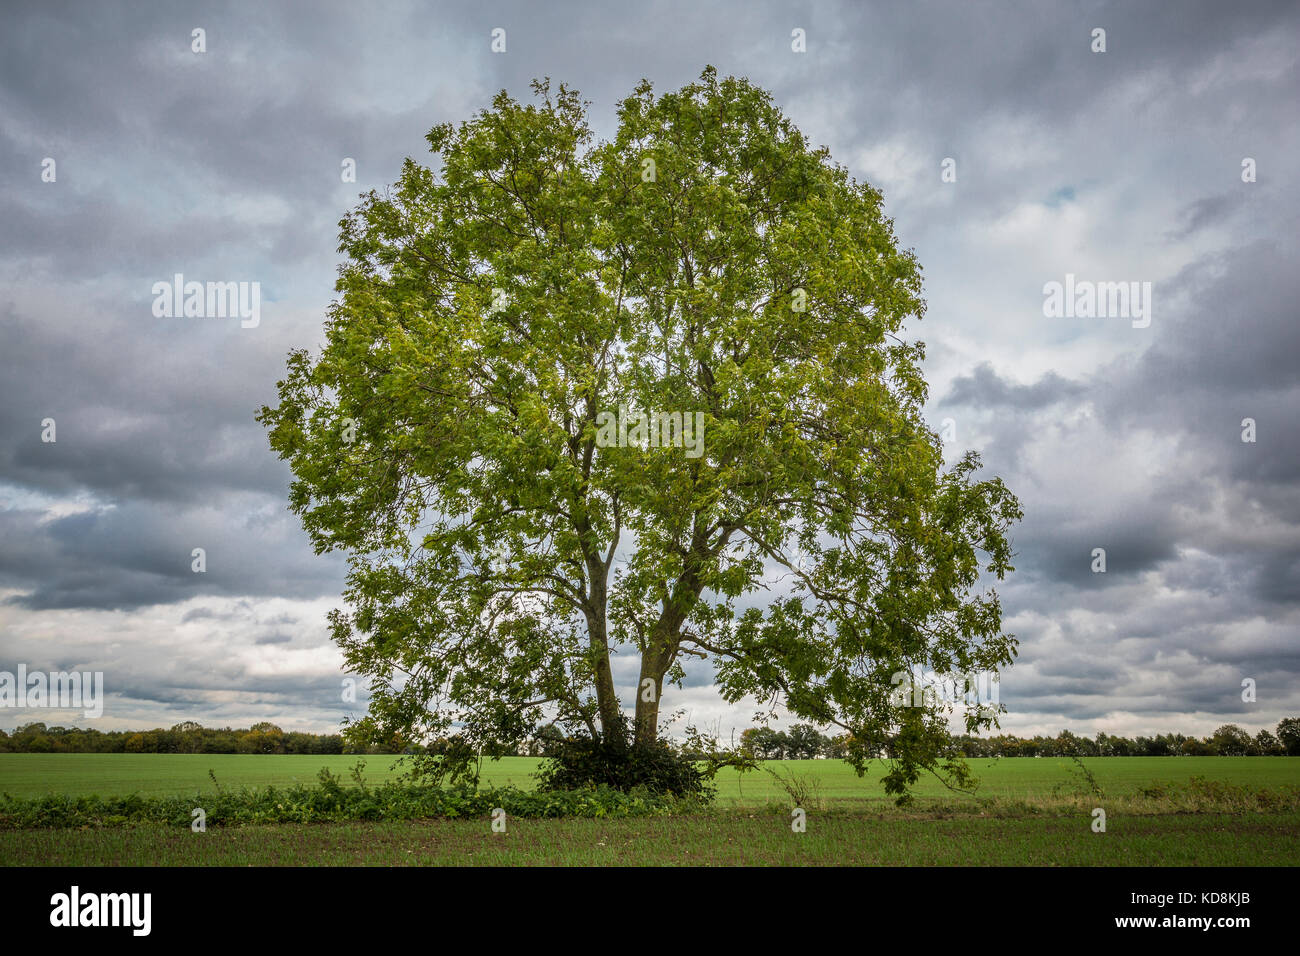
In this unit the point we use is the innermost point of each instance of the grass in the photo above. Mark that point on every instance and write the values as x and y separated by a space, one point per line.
30 775
1176 811
719 839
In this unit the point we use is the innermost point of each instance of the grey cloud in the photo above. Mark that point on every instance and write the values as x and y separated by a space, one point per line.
226 166
135 555
1203 212
984 388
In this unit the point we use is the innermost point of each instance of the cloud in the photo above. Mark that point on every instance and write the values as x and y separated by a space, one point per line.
983 388
226 166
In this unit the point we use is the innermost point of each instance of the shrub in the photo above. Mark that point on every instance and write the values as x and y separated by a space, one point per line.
658 768
330 801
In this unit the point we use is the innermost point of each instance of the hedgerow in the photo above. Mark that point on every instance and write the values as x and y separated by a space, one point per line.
329 801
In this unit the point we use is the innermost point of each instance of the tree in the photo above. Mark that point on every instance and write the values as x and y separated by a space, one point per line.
1070 745
751 741
1288 734
1267 744
765 743
806 742
1232 741
460 436
546 741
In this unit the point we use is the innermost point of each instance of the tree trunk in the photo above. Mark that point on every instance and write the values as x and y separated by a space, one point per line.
665 638
607 703
655 661
647 711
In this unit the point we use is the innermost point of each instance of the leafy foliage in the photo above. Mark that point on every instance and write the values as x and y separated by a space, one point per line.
704 260
1288 734
612 760
330 801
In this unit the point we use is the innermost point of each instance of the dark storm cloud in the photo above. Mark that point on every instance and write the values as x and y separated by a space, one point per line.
147 408
983 388
1134 541
1204 212
1231 335
1216 529
285 696
1225 352
1228 356
137 554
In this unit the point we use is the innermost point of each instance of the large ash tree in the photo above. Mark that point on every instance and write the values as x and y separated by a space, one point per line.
448 437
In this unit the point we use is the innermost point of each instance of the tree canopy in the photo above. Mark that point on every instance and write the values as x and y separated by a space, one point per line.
451 435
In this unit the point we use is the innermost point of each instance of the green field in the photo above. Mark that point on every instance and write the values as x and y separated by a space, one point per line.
1026 812
715 840
27 775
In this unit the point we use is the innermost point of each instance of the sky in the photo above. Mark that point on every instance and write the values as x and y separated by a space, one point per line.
1011 153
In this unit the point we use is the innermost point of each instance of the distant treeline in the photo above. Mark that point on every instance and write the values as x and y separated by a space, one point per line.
1228 741
186 738
802 741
